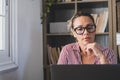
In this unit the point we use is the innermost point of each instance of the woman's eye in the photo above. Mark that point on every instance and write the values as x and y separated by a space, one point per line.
79 28
90 27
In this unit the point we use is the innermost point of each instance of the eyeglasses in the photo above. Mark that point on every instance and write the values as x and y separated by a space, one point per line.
90 28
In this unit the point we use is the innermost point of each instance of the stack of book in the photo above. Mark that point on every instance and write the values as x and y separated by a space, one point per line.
101 21
53 54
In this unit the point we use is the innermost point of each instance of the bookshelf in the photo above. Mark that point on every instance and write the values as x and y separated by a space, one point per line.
116 26
61 13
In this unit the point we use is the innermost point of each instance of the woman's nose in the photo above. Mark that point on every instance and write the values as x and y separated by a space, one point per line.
86 32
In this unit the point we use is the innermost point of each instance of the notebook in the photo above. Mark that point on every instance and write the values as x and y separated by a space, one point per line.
85 72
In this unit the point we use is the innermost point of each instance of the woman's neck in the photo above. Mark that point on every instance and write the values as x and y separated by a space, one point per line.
82 47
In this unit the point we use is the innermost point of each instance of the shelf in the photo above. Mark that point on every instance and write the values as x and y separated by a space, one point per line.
93 3
83 1
68 34
58 34
105 33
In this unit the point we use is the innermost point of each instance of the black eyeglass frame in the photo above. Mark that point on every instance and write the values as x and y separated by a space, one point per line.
87 28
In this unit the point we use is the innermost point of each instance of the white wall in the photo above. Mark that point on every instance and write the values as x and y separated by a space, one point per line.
29 43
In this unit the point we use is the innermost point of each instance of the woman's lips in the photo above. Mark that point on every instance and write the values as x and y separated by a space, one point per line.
87 38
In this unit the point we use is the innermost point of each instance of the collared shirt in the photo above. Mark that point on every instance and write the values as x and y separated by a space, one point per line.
70 54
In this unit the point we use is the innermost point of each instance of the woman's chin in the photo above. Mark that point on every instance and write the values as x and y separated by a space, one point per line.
87 42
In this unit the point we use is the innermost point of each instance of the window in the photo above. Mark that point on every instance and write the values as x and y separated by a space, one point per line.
2 25
8 34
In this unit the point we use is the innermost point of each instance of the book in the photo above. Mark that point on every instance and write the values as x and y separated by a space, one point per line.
55 54
119 52
50 57
118 16
95 16
102 22
58 50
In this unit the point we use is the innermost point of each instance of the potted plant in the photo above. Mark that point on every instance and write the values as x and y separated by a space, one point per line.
47 6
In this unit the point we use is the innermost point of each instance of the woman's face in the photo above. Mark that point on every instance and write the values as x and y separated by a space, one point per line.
79 24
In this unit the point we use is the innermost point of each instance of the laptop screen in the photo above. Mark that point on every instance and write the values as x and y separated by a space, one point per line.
85 72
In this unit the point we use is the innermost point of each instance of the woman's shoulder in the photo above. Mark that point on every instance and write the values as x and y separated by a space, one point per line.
74 45
110 54
105 48
71 44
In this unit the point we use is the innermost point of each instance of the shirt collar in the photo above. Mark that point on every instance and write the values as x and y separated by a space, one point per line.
76 46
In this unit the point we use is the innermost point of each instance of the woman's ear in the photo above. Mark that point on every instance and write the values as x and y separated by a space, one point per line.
70 24
73 33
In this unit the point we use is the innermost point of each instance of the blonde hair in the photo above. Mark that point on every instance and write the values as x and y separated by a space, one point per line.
78 14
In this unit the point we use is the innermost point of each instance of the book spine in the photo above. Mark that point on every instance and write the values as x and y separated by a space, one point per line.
118 16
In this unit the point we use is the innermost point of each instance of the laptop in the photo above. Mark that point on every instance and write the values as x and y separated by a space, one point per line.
85 72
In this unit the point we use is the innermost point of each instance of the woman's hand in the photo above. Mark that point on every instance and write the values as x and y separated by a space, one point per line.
94 49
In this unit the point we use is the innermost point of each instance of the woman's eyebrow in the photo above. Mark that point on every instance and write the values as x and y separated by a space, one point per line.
78 26
85 26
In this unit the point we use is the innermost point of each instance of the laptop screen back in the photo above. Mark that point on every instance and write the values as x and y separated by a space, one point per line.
85 72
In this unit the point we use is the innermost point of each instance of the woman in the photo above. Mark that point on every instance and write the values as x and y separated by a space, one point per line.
85 50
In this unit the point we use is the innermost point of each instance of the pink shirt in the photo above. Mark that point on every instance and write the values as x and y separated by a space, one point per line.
70 54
